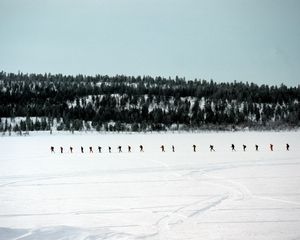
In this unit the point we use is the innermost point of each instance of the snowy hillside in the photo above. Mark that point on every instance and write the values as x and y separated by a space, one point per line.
151 194
36 102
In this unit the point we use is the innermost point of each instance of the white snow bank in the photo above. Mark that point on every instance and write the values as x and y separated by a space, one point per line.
155 195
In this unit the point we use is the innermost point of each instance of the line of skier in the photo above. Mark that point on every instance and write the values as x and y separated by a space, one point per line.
141 147
90 149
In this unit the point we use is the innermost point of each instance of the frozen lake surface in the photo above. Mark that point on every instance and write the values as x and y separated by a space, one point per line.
151 194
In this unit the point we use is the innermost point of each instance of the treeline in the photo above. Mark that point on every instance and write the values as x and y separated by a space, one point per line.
124 103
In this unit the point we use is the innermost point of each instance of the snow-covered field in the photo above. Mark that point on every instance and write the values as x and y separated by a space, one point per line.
150 195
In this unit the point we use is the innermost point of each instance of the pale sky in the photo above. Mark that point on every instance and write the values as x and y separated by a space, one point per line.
224 40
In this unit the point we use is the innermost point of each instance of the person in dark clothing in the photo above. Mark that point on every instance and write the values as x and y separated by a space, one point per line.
194 148
120 149
173 148
91 149
52 149
162 148
256 147
212 148
271 147
232 147
287 147
71 149
129 148
244 147
141 148
99 149
61 150
109 149
82 149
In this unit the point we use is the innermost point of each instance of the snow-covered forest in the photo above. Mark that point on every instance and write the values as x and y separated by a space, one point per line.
35 102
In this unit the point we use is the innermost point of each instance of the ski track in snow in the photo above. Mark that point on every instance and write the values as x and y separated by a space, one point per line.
160 197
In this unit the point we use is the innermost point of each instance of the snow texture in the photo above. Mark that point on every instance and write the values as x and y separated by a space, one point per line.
151 194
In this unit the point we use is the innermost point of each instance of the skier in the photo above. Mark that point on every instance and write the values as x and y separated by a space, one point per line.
81 149
120 149
52 149
162 148
129 148
61 150
212 148
287 147
173 148
99 149
244 147
256 147
141 148
232 147
109 149
71 149
271 147
91 149
194 147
